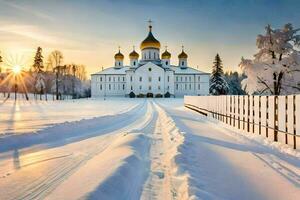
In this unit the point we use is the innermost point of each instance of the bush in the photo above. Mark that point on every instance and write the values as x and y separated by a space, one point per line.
131 95
150 95
158 96
167 95
140 96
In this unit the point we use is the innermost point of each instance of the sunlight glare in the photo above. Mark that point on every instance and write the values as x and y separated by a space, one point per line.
16 69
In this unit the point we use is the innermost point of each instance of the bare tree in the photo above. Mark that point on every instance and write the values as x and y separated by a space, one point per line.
55 60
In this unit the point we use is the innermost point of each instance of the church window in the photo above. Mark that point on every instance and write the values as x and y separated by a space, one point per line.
114 87
181 79
150 87
130 78
199 78
149 55
141 79
134 63
190 79
182 63
159 78
168 87
198 86
168 78
118 79
118 87
123 79
167 62
177 78
123 86
100 86
150 69
185 86
158 87
131 88
185 79
140 87
100 78
190 86
150 79
176 86
114 79
109 87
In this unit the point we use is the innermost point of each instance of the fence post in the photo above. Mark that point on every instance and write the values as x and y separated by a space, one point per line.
244 112
267 116
253 114
233 111
275 118
259 115
248 118
239 111
230 109
286 119
294 114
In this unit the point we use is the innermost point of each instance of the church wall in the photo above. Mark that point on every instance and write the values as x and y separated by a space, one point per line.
108 85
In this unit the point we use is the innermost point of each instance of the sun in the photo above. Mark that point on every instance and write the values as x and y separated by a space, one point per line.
16 69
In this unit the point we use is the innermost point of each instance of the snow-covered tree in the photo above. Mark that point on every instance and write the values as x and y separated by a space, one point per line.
1 61
234 80
218 85
275 69
38 67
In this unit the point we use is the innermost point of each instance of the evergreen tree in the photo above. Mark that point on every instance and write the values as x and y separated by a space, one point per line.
38 67
218 85
234 80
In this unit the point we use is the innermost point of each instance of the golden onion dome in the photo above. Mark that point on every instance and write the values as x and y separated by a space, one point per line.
183 55
150 41
166 55
119 56
134 55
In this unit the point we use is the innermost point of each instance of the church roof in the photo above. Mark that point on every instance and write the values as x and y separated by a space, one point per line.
188 70
113 70
150 41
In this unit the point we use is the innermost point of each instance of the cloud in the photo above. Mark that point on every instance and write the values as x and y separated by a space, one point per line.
28 10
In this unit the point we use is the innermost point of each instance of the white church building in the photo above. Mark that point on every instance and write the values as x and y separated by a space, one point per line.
151 75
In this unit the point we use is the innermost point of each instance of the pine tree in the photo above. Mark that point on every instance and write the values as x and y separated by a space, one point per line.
218 85
38 67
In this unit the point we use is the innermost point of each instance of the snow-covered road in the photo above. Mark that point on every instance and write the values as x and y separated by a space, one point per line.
156 149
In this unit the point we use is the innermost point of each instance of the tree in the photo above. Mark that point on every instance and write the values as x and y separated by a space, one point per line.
38 67
1 61
234 80
55 60
275 69
218 85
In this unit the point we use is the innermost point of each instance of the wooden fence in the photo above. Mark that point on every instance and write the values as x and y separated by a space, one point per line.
275 117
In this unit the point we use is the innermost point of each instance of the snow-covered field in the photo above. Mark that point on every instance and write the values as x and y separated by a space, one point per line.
135 149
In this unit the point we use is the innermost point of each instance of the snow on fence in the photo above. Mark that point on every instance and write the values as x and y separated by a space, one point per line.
275 117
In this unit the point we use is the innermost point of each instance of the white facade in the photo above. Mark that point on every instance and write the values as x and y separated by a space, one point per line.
150 75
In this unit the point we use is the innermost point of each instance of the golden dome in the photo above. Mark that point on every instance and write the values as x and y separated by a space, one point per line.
166 55
134 55
119 56
183 55
150 41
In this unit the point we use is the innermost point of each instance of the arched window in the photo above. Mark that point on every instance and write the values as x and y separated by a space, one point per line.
182 63
159 78
134 63
167 62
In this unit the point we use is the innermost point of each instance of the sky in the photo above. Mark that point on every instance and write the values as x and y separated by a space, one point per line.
89 32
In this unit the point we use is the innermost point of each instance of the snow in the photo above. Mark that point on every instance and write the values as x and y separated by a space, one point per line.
30 116
141 149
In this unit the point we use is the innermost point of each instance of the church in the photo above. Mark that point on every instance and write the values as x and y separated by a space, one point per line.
150 75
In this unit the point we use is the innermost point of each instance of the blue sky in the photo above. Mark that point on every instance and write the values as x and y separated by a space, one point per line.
90 31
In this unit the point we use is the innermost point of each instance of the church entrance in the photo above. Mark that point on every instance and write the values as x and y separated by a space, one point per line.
149 95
